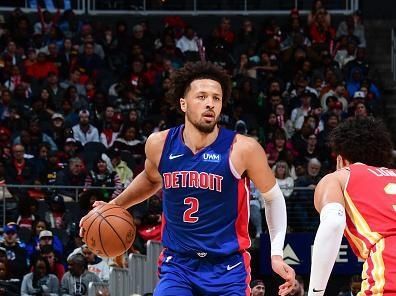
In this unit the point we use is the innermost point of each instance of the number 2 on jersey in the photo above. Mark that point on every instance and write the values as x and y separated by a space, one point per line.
193 208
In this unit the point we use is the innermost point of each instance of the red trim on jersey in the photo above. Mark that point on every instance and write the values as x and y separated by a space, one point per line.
370 279
163 223
160 261
242 221
246 261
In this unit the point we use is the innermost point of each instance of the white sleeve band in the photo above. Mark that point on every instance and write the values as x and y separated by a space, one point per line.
326 246
275 214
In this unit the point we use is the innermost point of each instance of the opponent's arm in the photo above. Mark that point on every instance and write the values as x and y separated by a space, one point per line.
260 173
329 202
149 181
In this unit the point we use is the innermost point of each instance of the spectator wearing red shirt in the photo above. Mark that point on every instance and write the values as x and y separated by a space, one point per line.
41 68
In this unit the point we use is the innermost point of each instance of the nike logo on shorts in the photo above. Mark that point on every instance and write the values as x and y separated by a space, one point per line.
230 267
171 156
317 291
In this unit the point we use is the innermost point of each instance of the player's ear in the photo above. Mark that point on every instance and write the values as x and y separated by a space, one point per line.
183 106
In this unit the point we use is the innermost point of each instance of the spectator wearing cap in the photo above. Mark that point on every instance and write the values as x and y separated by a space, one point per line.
84 132
16 253
58 217
110 134
46 238
97 265
78 273
73 175
102 176
257 288
58 129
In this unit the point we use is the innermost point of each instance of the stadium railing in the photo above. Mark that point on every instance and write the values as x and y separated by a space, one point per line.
29 6
182 7
142 269
301 213
119 281
98 288
208 7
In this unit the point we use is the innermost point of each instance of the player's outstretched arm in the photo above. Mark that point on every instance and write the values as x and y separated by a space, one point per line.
260 173
329 201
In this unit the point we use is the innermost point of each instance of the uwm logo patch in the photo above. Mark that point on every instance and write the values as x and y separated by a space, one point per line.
211 157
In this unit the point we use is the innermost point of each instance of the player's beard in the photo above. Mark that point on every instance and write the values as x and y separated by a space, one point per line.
201 125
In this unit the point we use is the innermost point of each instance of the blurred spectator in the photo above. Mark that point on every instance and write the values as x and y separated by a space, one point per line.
73 175
27 213
44 238
102 176
354 286
74 80
37 137
84 132
109 134
17 259
97 265
58 217
349 27
258 288
317 8
40 281
120 166
8 286
278 146
56 267
128 140
282 175
77 279
19 170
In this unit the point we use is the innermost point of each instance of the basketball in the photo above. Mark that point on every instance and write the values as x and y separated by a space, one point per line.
108 230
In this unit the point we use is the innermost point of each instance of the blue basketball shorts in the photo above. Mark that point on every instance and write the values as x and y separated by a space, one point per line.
202 275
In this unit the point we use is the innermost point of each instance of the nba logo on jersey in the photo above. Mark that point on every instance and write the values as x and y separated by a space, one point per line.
211 157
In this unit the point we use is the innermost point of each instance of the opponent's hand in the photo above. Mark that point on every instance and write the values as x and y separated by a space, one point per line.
95 204
286 272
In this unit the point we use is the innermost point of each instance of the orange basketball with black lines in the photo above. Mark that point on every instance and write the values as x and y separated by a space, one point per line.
108 230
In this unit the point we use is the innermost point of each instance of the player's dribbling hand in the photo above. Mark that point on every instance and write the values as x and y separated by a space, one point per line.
286 272
95 204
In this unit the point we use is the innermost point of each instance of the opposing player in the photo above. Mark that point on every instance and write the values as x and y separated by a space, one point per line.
204 173
359 199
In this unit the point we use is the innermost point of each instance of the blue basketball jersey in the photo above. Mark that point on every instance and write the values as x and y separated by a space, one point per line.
205 203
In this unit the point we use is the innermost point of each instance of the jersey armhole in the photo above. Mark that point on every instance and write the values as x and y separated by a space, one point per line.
163 150
231 165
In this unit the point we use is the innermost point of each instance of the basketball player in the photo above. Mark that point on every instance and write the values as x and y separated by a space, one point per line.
359 199
204 173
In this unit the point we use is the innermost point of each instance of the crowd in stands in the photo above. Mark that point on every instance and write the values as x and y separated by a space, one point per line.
79 98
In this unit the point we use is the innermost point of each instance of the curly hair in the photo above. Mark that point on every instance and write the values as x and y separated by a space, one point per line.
363 140
182 78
